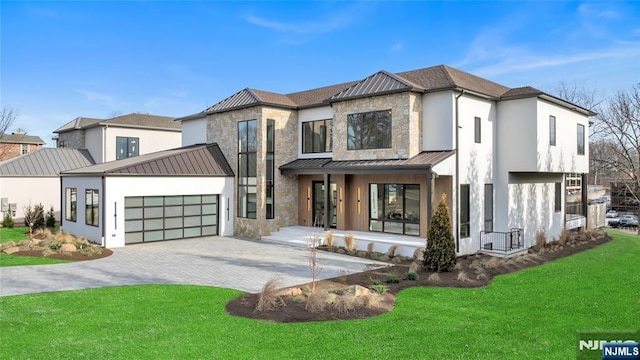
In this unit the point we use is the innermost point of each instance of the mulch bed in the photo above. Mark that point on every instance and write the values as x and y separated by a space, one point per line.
294 311
71 256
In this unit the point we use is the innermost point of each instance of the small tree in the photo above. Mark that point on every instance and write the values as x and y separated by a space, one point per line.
440 253
8 220
34 218
50 219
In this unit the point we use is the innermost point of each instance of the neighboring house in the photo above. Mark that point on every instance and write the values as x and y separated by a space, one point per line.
18 143
376 155
166 195
33 178
120 137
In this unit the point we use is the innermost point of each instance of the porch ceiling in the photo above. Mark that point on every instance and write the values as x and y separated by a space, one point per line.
421 162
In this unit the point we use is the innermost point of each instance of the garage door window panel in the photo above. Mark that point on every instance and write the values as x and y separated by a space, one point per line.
153 235
173 223
173 234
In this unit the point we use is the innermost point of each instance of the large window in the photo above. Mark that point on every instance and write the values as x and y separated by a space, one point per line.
488 207
370 130
71 204
92 203
270 169
465 227
247 164
552 130
126 147
580 139
477 126
394 208
317 136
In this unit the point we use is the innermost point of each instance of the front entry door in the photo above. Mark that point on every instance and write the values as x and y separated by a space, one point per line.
318 204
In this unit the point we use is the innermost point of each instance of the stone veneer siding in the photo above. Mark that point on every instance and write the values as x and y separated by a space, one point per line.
406 134
72 139
222 128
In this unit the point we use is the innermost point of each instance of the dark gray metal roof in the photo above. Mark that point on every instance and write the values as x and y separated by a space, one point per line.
194 160
379 83
45 162
20 138
75 124
423 161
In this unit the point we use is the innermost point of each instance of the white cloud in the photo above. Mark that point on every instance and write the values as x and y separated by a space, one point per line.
397 47
106 100
595 10
43 12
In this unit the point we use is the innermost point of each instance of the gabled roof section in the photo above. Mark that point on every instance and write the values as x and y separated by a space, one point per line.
133 120
251 97
194 160
45 162
379 83
315 97
20 138
443 77
525 91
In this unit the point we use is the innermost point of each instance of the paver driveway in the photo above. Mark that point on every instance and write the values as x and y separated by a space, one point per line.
215 261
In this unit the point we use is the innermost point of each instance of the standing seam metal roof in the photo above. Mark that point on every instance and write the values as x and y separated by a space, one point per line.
45 162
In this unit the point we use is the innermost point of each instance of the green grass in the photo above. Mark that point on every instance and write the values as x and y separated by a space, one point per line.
532 314
14 234
17 234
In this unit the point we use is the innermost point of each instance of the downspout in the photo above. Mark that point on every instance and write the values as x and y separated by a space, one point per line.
103 205
104 143
457 189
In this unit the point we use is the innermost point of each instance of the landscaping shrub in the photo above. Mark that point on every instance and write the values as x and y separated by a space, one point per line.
344 304
269 298
316 302
34 217
370 247
410 276
7 221
435 277
350 242
380 288
440 253
392 278
328 238
392 250
462 276
50 219
374 281
541 240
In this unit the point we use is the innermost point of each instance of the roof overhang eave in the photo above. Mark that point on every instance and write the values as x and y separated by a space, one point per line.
388 92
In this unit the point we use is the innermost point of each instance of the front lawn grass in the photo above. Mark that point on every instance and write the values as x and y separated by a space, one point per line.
16 235
534 314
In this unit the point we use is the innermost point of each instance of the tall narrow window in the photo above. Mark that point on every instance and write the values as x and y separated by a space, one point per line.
465 228
552 130
270 168
558 197
71 204
92 209
488 207
477 122
247 168
24 148
316 136
580 139
126 147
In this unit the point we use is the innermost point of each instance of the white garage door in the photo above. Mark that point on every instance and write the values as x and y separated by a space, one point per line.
156 218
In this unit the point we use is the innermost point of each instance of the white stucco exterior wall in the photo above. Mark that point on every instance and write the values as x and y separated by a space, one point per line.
31 190
117 188
438 132
94 141
150 140
194 131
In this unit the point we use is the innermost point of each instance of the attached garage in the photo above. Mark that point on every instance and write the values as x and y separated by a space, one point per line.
169 195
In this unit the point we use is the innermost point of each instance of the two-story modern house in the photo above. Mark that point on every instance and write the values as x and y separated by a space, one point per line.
375 156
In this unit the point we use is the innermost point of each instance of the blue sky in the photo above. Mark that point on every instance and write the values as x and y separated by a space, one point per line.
62 60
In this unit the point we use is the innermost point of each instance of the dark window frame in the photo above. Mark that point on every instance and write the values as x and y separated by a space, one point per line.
477 129
71 204
384 216
270 171
359 139
465 211
247 169
488 207
92 206
552 130
557 199
581 139
324 141
131 147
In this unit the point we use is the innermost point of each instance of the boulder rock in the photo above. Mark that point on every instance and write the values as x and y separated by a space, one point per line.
11 250
361 291
68 248
291 292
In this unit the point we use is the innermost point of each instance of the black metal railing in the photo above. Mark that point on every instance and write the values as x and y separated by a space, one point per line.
502 241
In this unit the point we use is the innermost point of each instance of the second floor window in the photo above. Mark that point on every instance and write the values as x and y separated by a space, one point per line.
477 125
247 168
24 148
370 130
580 139
317 136
552 130
126 147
